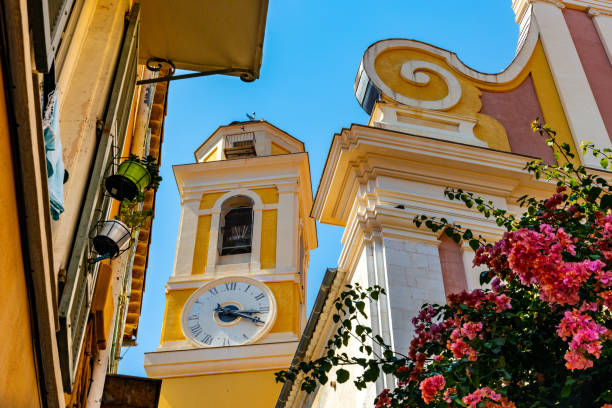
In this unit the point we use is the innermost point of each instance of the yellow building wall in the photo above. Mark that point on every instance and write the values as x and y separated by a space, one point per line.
252 389
268 195
550 104
208 200
18 379
200 253
212 156
267 258
287 298
276 149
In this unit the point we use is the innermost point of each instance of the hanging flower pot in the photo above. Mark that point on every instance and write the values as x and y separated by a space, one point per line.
113 238
131 178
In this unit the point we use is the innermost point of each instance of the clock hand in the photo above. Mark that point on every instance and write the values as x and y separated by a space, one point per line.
239 313
246 316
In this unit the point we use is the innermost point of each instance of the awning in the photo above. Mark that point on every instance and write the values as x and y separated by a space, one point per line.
204 35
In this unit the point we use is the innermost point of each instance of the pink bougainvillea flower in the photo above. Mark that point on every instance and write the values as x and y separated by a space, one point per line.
585 337
431 386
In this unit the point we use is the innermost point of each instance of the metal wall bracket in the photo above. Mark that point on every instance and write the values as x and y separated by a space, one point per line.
156 64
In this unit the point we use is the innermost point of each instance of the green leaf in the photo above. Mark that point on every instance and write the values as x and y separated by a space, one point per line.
500 341
604 163
474 244
342 375
484 277
606 201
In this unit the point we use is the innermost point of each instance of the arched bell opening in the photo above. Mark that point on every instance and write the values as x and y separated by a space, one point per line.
236 230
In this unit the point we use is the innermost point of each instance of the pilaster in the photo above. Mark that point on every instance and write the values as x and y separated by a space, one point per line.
572 85
287 228
602 20
472 273
213 240
188 229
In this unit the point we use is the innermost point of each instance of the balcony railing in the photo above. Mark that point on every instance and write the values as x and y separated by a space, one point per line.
240 145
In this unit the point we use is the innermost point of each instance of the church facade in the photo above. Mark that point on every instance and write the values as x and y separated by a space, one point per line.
437 123
235 309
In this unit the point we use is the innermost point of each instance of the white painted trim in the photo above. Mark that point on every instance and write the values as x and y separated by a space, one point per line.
195 281
287 228
602 20
503 170
216 360
428 123
265 207
411 71
213 239
185 243
257 203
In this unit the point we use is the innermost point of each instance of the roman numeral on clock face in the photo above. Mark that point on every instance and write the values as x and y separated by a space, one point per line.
207 339
264 309
213 291
230 286
196 330
193 317
259 297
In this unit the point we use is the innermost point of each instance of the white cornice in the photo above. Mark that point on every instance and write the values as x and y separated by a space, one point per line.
215 360
196 281
363 153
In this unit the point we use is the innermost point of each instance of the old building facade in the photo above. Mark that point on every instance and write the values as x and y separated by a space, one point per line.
72 107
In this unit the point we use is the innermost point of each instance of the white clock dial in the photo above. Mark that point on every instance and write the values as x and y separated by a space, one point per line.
229 311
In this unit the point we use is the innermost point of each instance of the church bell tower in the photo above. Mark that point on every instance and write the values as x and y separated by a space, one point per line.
235 303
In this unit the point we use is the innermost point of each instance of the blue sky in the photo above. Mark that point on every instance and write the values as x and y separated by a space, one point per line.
312 50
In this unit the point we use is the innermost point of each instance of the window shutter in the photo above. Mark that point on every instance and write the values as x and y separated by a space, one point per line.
77 294
48 19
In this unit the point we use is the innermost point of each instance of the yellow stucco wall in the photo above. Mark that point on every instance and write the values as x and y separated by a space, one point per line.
18 379
267 257
276 149
209 200
287 301
175 300
268 195
548 97
212 156
253 389
200 253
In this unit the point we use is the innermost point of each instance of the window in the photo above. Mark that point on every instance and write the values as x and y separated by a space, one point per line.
48 20
236 225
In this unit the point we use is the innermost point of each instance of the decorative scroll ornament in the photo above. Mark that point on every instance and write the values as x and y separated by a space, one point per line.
411 72
156 64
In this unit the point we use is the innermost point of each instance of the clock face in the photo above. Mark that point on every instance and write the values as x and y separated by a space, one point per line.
229 311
